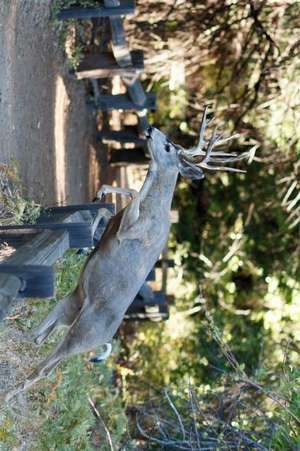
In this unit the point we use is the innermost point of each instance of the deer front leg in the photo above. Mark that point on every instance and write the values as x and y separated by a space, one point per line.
103 214
108 189
102 357
130 214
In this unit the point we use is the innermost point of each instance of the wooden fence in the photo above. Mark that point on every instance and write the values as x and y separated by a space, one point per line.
125 63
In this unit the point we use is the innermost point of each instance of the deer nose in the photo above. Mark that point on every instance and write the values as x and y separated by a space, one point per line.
148 132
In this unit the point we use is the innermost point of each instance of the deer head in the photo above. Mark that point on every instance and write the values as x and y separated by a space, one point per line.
190 162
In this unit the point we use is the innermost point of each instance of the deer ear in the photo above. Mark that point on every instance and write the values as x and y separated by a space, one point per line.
189 170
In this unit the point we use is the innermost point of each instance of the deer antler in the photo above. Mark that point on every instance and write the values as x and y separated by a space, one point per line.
213 160
197 150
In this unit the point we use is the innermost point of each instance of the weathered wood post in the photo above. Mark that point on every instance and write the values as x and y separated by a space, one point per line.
123 57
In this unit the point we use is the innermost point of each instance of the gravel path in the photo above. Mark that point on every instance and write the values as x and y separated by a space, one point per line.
44 125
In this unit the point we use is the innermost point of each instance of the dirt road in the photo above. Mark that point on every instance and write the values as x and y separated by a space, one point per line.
44 125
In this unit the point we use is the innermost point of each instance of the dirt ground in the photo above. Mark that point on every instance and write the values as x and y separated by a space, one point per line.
44 125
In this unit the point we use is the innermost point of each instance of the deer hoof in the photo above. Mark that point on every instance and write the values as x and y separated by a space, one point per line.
102 357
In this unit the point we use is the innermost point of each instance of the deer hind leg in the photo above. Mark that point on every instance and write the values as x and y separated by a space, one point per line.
63 314
43 369
82 336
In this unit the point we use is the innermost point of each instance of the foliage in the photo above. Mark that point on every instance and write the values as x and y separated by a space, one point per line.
15 208
236 246
73 34
229 416
70 422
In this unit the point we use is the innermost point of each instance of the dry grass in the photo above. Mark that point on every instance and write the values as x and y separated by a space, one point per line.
206 422
14 207
16 358
17 353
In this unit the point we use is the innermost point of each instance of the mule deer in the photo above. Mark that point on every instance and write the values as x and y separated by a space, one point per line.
128 249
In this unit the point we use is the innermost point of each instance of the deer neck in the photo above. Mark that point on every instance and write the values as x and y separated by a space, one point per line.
160 184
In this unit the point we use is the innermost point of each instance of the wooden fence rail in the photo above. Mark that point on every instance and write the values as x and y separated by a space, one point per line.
128 64
123 7
28 272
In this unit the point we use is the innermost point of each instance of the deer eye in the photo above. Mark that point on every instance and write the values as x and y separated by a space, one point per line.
168 147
